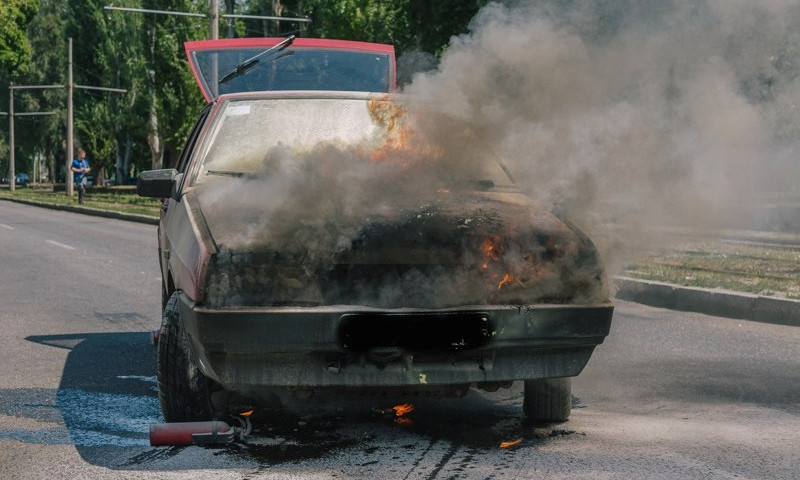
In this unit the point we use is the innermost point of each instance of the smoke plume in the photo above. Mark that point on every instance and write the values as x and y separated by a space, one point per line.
661 112
639 113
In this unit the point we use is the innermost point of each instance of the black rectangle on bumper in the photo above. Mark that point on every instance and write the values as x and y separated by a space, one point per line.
246 348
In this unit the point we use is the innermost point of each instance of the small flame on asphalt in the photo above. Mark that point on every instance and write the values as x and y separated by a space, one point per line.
510 444
402 409
399 413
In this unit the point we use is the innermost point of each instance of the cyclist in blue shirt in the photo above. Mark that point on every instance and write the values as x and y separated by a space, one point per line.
80 167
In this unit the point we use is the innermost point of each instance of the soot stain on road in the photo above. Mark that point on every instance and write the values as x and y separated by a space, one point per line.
284 436
289 439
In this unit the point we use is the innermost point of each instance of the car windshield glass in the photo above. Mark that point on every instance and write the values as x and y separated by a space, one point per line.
250 135
295 69
251 131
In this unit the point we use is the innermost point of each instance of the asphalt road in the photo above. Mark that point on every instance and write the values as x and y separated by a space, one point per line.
669 395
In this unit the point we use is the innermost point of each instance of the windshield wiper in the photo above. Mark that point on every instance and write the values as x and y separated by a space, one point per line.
245 66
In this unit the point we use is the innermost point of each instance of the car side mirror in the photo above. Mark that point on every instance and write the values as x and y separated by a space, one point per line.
157 183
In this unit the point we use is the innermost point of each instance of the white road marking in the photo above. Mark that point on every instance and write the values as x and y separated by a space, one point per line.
8 227
53 242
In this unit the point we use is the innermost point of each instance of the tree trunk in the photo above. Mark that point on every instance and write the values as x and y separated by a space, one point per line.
51 167
126 160
153 139
277 11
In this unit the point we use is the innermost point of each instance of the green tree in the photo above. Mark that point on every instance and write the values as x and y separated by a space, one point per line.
365 20
174 98
406 24
15 50
93 64
43 137
432 24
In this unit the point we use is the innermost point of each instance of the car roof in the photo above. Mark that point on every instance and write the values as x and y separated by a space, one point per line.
237 65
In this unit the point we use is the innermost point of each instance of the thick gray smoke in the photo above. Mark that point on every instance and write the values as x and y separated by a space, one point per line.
615 113
657 112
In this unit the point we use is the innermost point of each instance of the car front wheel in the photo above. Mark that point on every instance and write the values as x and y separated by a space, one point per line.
547 400
184 392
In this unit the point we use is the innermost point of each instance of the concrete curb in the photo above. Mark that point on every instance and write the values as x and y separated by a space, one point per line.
130 217
721 303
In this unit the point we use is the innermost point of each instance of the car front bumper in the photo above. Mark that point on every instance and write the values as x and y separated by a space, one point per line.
245 349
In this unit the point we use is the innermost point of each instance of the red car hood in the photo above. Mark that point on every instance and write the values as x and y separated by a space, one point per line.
263 64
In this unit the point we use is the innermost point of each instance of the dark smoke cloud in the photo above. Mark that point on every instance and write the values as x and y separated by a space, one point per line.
641 113
654 112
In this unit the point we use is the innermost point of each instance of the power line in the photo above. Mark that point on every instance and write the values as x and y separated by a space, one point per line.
104 89
203 15
160 12
260 17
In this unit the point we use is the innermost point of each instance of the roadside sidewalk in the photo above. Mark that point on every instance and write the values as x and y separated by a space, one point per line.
717 302
88 211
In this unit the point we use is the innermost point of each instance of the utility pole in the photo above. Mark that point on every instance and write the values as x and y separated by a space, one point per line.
12 177
229 4
214 35
214 15
68 169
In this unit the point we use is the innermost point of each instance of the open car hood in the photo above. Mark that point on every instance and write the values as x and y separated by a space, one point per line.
237 65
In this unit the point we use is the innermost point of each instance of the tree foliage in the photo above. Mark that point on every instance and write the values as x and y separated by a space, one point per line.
143 53
15 50
43 136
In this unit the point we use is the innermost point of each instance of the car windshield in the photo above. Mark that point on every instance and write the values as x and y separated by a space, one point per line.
295 69
252 134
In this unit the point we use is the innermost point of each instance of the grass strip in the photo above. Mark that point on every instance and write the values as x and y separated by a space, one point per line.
763 269
124 201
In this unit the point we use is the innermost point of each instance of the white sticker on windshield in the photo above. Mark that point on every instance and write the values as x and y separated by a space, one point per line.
237 110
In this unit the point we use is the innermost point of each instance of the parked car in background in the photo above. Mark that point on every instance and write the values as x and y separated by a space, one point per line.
308 243
22 179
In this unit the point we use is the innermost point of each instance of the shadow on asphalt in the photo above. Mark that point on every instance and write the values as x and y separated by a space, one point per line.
107 395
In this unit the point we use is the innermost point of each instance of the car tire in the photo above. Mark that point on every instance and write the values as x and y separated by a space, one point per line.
165 296
547 400
183 391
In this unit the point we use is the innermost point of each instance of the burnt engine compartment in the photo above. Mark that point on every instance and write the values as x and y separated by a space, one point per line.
429 258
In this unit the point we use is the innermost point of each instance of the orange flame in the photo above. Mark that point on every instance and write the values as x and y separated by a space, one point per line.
511 443
402 409
491 247
507 279
403 142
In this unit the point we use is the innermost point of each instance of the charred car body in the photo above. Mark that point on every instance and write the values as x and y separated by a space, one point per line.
301 250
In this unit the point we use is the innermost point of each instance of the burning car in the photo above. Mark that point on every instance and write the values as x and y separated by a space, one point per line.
315 237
